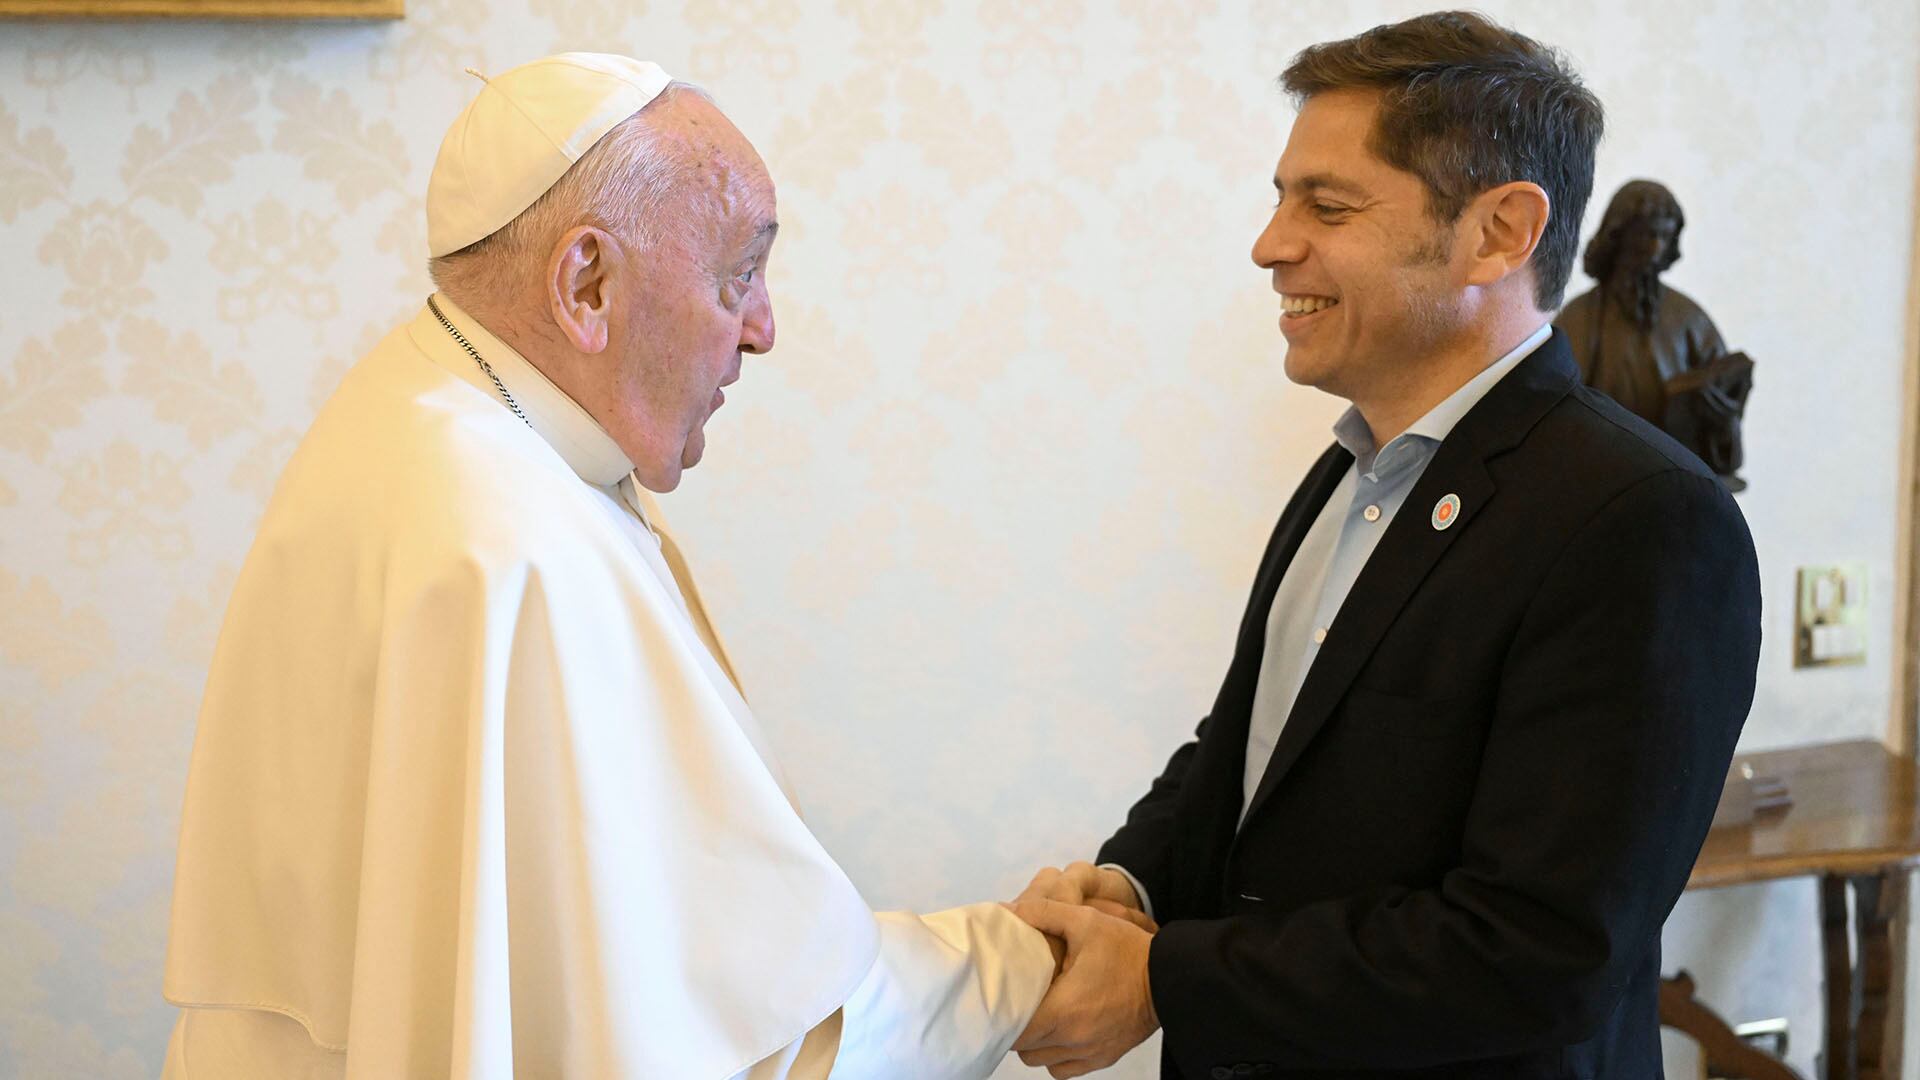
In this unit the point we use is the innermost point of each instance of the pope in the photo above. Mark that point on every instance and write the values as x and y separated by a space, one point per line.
474 791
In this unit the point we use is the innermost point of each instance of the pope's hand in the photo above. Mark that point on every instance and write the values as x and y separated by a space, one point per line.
1101 1005
1085 883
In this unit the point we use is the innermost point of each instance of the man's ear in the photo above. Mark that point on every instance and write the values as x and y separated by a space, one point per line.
581 276
1511 219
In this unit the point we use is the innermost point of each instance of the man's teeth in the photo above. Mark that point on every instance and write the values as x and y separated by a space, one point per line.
1305 305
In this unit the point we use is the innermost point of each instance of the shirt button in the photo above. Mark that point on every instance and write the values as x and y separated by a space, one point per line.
1319 635
1371 513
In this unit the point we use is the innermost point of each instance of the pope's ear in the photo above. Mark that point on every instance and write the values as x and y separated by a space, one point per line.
580 289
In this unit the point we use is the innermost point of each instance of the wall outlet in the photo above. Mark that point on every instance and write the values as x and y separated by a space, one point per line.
1830 615
1767 1036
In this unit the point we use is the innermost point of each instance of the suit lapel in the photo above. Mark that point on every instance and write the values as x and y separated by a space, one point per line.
1295 521
1218 769
1406 554
1233 708
1413 545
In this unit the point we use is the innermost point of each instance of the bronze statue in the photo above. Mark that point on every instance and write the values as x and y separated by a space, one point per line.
1648 345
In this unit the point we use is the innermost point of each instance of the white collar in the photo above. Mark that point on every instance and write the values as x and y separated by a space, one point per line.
575 436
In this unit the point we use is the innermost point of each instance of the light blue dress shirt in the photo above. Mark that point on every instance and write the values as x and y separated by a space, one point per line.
1338 545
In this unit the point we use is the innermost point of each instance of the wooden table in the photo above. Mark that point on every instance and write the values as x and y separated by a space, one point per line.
1853 824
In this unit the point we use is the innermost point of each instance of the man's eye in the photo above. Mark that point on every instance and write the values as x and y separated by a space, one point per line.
1329 210
745 277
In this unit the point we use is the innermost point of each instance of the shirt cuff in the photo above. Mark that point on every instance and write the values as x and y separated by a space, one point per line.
1139 890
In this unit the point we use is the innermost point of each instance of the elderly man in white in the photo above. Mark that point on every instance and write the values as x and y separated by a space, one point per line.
475 793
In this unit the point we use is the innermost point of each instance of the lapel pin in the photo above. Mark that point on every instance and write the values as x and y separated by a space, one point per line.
1445 511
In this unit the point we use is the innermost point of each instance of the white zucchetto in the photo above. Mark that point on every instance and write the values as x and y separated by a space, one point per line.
522 133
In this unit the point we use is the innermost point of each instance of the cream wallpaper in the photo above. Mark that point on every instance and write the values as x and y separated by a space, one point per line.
979 530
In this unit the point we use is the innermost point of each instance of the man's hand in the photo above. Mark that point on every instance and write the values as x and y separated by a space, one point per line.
1085 883
1101 1005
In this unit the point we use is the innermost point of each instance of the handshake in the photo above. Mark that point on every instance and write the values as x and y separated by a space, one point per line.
1100 1005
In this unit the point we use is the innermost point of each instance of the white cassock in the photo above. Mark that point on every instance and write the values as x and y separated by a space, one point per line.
474 793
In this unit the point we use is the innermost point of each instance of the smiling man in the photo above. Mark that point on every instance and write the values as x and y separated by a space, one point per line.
475 792
1497 653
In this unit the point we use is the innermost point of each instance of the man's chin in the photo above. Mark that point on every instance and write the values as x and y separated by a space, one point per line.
1318 367
1303 367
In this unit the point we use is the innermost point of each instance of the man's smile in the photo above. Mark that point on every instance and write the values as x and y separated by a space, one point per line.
1300 311
1299 305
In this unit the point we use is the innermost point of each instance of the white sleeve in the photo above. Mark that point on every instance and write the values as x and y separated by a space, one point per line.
945 999
947 996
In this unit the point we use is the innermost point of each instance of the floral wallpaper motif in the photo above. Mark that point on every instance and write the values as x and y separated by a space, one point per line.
979 529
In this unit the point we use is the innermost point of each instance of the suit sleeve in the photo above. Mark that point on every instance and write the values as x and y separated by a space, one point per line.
1618 708
1144 845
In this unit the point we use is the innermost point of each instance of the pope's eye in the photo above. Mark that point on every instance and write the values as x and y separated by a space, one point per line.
745 277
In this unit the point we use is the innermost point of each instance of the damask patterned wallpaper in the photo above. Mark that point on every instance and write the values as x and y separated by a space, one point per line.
980 528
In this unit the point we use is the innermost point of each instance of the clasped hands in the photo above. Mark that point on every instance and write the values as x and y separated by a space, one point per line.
1100 1005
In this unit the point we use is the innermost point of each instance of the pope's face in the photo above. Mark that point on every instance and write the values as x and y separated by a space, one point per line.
1361 266
698 302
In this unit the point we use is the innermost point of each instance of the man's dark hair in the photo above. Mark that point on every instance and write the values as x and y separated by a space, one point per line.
1467 105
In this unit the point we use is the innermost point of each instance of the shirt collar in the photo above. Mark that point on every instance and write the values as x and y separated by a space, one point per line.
1352 432
575 436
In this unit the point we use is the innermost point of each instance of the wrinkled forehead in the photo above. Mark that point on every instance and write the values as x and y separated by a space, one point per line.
719 167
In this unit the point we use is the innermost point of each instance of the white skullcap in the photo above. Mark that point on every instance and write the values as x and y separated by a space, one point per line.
521 134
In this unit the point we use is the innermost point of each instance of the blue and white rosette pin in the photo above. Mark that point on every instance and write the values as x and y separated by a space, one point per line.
1446 512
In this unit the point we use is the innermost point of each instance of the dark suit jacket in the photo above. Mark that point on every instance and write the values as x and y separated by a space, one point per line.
1495 779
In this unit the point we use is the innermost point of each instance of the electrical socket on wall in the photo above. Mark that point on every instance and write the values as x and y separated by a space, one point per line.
1830 615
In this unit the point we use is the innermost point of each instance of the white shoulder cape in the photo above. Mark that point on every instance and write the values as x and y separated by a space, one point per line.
463 799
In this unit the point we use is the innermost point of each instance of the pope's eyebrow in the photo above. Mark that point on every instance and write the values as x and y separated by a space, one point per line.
762 238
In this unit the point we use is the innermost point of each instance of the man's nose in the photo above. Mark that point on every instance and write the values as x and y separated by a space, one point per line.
1278 243
756 330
